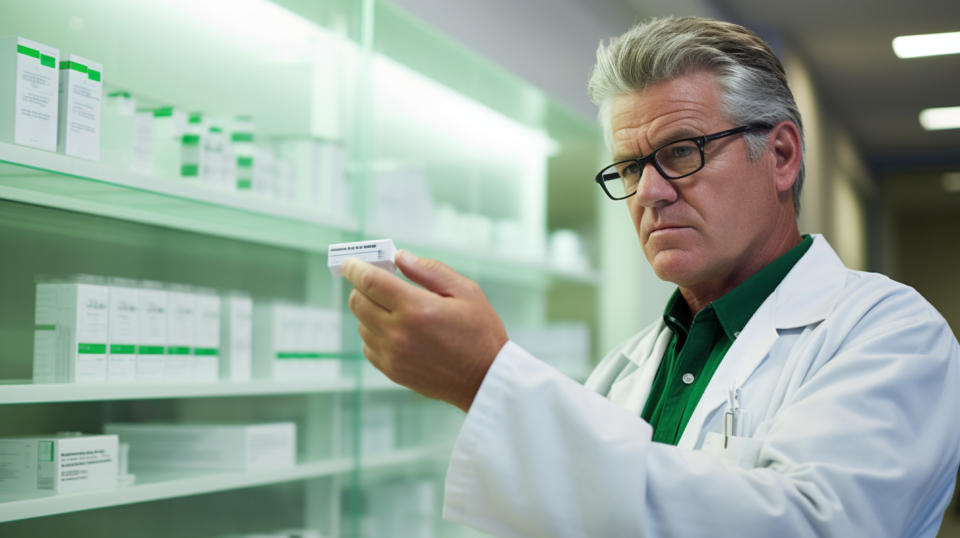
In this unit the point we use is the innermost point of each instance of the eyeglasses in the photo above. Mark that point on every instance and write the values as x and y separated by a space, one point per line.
673 160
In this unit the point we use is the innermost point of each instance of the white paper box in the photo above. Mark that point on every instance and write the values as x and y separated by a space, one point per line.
122 335
70 336
58 464
379 252
81 93
206 338
151 332
296 342
209 447
181 321
116 128
236 337
29 99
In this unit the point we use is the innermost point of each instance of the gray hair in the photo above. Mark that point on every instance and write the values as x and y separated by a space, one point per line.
751 78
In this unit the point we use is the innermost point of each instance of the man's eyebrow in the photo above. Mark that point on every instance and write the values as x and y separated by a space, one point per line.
672 135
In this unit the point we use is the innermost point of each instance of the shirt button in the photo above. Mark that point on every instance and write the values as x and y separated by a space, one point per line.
687 378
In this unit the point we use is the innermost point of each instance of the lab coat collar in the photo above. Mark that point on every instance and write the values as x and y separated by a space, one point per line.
806 295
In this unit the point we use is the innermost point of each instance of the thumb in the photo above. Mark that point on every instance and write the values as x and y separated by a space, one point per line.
431 274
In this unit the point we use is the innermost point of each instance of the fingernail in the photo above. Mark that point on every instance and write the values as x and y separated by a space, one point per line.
407 256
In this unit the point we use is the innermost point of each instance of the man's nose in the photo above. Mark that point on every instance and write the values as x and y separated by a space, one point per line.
654 190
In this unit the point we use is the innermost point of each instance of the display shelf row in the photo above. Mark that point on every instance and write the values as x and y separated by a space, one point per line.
157 486
46 179
30 393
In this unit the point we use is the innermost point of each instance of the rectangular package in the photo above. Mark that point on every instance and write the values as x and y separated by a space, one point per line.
151 332
122 324
296 342
29 93
236 338
81 93
206 338
379 252
208 447
181 323
71 331
116 128
58 463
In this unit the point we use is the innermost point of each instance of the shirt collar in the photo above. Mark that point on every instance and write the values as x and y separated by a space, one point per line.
735 309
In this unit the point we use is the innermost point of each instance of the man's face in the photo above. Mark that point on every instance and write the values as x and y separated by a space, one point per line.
706 230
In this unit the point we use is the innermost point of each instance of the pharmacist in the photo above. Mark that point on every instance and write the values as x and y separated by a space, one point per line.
781 394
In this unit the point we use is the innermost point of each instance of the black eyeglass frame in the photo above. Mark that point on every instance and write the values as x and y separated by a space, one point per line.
700 141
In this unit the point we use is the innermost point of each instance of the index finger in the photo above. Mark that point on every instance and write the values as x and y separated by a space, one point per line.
381 287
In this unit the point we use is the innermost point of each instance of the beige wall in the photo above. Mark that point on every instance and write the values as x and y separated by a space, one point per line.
837 184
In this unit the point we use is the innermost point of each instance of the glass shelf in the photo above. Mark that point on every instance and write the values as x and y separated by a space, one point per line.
152 487
47 179
26 393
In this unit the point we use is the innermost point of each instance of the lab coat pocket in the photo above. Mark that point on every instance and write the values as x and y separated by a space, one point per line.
740 451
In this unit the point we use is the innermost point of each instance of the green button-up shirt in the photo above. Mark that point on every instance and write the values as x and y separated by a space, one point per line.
699 344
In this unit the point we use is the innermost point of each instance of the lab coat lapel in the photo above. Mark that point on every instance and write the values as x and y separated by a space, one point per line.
806 295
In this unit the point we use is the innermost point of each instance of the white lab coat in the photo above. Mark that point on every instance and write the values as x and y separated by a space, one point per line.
851 387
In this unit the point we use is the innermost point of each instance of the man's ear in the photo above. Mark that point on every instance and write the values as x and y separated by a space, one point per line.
784 141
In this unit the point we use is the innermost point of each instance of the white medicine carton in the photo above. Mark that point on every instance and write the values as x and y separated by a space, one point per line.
151 332
379 252
206 338
123 334
209 447
29 93
58 463
181 325
296 342
71 332
81 96
236 337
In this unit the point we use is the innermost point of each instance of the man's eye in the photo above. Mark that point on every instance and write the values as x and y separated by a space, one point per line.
680 151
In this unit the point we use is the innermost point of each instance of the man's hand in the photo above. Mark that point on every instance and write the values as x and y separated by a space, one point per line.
439 341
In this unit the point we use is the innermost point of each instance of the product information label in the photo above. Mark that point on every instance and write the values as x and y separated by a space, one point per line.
37 101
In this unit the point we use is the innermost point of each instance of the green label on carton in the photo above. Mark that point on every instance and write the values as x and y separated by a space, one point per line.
178 350
94 75
48 61
76 66
306 355
241 137
122 349
150 350
28 51
44 327
189 170
244 162
45 451
88 349
190 139
163 112
244 184
208 351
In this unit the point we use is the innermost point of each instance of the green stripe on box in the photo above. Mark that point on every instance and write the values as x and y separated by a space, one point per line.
163 112
122 349
94 75
48 61
244 161
196 117
45 451
28 51
76 66
244 184
89 349
44 327
190 139
207 351
189 170
241 137
215 129
178 350
118 93
306 355
150 350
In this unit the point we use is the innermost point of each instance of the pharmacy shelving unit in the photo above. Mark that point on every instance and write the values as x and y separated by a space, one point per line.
446 153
